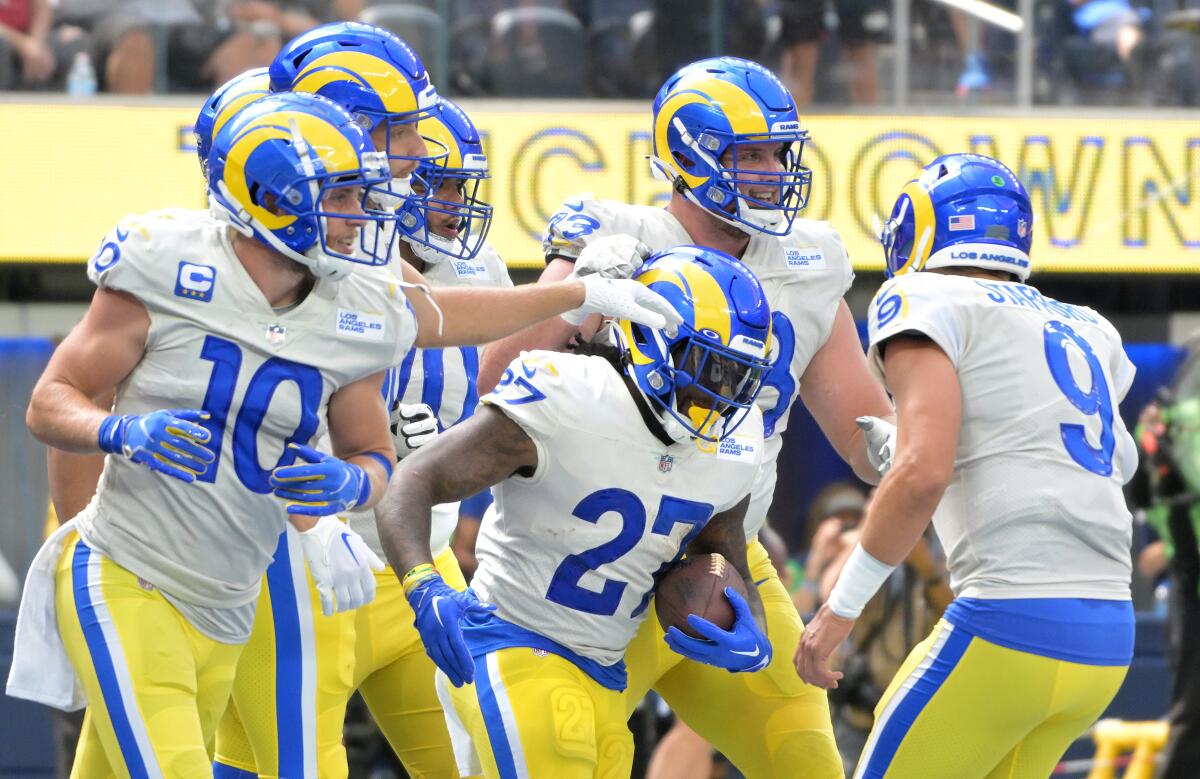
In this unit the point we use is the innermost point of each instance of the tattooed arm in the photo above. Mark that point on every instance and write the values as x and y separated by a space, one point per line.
470 457
725 534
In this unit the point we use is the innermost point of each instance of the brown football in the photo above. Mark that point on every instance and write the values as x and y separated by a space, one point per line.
696 585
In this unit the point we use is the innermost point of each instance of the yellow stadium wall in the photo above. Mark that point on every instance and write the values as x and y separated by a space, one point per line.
1110 193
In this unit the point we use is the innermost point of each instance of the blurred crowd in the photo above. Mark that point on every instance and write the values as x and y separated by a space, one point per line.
1144 52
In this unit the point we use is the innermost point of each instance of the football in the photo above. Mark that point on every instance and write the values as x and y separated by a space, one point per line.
696 585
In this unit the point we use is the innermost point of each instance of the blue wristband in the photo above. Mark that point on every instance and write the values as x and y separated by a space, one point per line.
385 462
112 433
364 488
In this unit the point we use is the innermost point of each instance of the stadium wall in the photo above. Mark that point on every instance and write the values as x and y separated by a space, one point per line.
1112 192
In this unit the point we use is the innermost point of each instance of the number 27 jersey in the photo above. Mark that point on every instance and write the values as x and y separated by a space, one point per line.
572 552
1035 507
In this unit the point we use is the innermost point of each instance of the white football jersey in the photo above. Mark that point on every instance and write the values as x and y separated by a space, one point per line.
1035 508
804 274
444 379
264 377
572 551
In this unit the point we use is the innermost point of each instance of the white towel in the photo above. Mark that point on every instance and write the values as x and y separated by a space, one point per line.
41 670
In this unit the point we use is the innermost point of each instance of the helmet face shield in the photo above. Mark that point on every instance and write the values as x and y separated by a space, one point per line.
447 217
456 219
703 380
789 186
727 134
720 381
296 171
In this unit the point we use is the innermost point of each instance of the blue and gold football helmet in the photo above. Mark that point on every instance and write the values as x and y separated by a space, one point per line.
962 210
231 97
366 70
272 166
708 375
718 107
465 166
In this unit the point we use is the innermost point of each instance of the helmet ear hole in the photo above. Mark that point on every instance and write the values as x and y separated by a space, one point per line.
685 162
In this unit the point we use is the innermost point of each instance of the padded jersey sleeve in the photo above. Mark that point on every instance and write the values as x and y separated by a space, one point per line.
579 220
534 392
913 303
124 260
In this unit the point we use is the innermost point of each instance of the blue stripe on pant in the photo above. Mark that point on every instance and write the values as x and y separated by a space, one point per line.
493 720
901 719
102 663
222 771
289 663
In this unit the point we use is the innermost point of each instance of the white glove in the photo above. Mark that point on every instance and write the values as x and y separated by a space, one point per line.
880 437
613 257
341 565
625 299
413 426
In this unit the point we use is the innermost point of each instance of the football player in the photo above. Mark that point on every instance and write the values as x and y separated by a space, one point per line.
1010 439
392 670
590 508
727 136
156 581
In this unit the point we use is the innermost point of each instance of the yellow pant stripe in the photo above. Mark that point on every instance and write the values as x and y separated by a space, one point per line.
907 703
498 718
108 661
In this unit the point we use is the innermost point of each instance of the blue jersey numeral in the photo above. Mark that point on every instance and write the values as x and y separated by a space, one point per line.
564 586
1097 401
433 382
226 358
532 393
780 376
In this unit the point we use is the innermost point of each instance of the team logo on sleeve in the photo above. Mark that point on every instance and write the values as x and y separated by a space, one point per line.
195 282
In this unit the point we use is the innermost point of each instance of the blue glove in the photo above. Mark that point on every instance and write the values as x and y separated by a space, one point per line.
439 608
745 648
322 485
163 441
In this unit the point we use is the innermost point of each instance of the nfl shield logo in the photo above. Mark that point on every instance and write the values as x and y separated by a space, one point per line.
275 334
1022 228
665 463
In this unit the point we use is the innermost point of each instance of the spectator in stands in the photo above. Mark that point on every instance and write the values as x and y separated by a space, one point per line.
1173 510
201 42
1113 24
859 26
34 52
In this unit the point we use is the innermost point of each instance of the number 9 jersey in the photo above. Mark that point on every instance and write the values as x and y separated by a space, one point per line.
1035 507
264 376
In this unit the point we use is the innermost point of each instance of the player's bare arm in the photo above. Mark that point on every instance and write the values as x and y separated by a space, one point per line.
470 457
925 384
478 315
725 534
552 334
838 387
65 410
358 431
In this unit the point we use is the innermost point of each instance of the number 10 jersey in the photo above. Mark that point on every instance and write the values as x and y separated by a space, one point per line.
265 378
